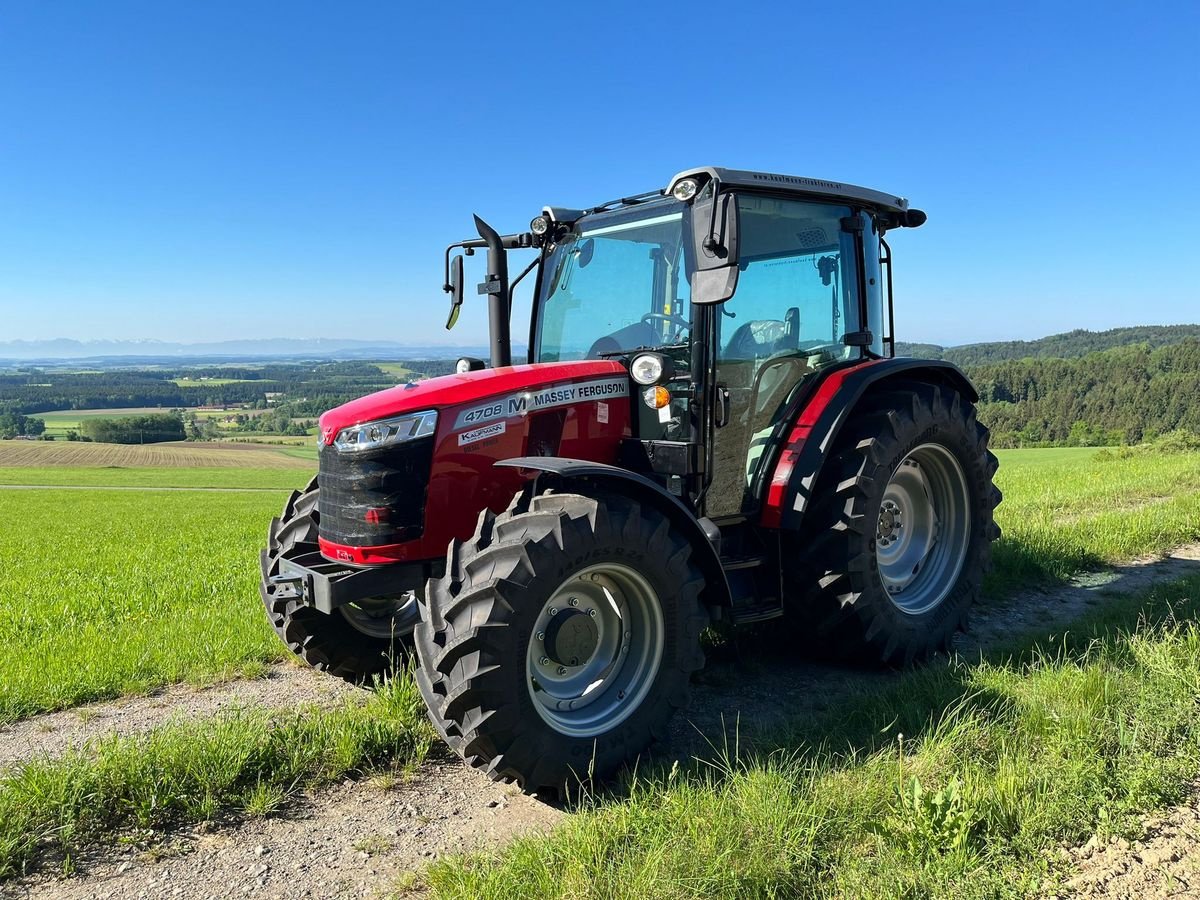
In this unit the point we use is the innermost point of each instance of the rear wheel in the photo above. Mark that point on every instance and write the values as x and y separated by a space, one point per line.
356 642
895 547
562 638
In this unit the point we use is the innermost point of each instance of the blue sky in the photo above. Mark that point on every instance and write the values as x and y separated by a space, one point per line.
220 170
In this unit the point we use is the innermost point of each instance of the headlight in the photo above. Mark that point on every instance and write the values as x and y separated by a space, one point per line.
647 368
373 435
540 225
651 368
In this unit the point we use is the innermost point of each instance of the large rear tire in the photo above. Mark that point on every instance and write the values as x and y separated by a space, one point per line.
561 640
356 642
894 549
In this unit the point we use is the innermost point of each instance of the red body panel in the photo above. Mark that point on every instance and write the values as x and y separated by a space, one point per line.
772 511
571 409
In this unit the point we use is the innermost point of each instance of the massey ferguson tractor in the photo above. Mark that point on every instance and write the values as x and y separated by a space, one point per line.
710 427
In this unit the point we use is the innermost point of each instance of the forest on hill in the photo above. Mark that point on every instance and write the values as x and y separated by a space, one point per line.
1068 345
1119 396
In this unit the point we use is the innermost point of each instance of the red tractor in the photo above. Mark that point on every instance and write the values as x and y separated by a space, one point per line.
710 426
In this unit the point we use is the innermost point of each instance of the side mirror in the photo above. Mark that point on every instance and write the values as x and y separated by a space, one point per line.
714 248
586 248
455 289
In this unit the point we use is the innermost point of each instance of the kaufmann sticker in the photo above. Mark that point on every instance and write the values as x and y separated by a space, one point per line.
547 398
481 434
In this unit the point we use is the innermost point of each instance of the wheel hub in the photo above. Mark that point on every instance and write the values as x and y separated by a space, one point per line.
923 529
595 649
571 638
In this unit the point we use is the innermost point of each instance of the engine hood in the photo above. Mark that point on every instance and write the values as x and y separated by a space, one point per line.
456 390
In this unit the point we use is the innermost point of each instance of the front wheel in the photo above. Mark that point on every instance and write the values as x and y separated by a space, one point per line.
562 638
357 642
894 549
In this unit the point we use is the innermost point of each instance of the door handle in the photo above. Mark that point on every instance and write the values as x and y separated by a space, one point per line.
721 413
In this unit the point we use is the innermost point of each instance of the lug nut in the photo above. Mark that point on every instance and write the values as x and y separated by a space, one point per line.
562 670
541 635
595 577
553 611
574 601
592 613
544 661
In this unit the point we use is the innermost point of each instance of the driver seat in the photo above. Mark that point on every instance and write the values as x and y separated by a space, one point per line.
639 334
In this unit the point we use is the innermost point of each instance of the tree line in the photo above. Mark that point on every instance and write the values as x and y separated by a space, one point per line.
150 429
37 390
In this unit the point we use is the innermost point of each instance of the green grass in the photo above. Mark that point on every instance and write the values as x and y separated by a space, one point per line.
397 370
112 592
207 382
247 762
1066 511
954 781
104 592
145 476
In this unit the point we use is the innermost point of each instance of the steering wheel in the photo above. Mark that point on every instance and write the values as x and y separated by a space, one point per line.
674 320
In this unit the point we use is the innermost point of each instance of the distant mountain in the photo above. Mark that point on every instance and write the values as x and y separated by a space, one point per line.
148 352
1070 345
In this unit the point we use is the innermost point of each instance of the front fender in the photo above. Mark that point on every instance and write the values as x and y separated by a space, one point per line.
703 535
816 426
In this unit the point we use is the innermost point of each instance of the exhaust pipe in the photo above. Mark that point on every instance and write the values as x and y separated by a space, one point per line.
496 287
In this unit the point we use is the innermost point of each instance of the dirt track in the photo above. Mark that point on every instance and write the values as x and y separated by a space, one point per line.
358 838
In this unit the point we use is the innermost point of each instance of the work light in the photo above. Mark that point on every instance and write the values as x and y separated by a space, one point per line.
685 190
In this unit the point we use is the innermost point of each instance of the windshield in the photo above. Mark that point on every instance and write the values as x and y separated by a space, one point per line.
616 282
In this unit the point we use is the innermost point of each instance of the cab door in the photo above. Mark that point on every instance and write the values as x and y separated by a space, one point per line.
796 299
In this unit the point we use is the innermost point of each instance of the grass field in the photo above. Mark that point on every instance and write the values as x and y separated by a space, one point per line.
397 370
146 571
210 382
111 592
1068 510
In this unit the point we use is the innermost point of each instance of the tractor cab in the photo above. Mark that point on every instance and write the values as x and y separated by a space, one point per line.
729 290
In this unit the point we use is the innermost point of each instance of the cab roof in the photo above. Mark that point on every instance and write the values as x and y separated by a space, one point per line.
793 184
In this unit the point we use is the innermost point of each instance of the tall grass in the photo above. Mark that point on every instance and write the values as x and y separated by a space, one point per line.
956 781
247 761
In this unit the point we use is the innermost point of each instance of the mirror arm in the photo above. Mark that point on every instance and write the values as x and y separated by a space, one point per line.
529 268
467 245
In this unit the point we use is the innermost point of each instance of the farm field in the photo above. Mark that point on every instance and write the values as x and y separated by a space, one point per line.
24 454
161 587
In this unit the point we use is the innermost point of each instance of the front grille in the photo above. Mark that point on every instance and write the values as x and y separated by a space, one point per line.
376 498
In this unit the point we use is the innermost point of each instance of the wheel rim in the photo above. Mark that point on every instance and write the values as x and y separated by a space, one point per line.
923 530
384 617
595 649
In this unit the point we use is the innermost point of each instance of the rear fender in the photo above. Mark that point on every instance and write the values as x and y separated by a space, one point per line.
704 536
816 426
